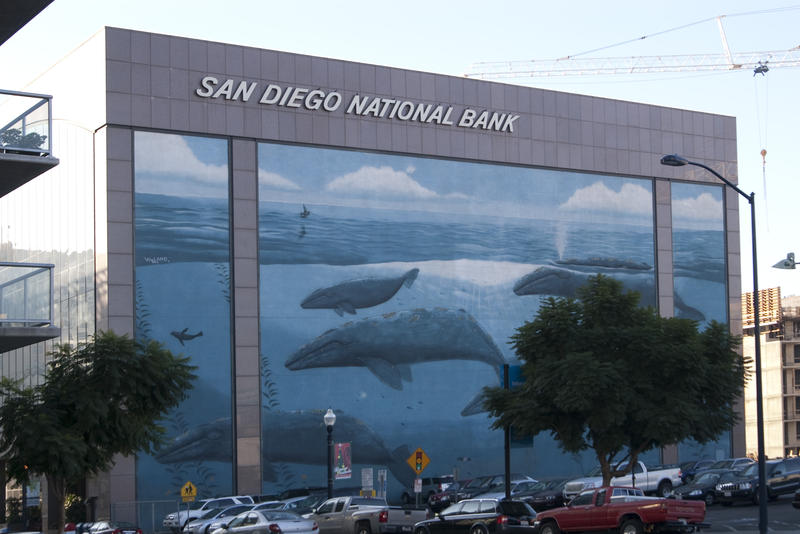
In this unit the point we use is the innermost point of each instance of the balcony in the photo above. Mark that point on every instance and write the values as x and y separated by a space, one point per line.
25 138
26 305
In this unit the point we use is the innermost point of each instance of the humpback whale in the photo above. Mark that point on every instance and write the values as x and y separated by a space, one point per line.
288 437
388 344
563 282
361 293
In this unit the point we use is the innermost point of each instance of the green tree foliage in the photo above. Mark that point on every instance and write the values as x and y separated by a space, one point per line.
99 399
602 373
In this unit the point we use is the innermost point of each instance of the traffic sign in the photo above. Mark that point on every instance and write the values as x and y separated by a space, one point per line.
418 461
188 492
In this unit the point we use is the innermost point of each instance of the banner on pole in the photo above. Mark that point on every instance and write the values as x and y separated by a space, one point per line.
343 469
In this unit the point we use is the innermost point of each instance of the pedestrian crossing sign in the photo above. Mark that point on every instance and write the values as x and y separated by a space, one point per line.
188 492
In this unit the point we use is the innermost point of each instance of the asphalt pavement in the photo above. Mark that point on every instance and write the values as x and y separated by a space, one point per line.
743 518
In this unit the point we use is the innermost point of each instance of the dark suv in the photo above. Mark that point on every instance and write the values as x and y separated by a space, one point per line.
783 476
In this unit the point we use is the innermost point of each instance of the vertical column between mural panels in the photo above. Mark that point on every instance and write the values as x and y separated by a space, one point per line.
183 300
245 285
390 287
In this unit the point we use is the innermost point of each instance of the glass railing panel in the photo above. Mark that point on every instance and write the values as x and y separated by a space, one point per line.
26 294
25 123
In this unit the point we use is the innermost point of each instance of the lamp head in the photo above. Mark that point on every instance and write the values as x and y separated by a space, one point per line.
788 263
329 418
674 160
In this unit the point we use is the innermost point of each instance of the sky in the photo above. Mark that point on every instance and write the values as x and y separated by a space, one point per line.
450 37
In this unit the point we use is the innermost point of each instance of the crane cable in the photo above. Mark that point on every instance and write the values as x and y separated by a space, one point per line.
762 141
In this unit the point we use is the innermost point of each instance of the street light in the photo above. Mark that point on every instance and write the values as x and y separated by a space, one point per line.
675 160
788 263
330 420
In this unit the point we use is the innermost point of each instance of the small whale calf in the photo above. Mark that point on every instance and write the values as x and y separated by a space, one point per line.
350 295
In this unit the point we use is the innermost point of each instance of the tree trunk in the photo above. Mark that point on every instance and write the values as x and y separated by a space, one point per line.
58 487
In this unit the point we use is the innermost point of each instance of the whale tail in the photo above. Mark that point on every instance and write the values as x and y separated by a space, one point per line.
410 276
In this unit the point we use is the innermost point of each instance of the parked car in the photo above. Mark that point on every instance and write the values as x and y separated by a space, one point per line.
113 527
430 486
703 487
658 479
544 495
734 464
481 516
454 493
274 522
365 515
175 521
783 477
689 469
624 510
515 487
212 519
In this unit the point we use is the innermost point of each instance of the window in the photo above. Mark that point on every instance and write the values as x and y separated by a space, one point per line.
326 508
487 507
797 404
797 434
340 505
601 498
797 379
797 347
582 499
470 507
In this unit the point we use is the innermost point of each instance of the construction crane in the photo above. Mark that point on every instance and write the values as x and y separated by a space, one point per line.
758 62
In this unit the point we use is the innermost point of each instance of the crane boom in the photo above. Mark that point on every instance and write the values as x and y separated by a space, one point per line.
571 66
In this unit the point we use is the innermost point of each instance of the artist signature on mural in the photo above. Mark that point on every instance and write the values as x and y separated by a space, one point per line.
155 260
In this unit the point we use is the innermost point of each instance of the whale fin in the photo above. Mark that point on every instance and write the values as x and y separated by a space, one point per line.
184 330
410 276
385 371
475 406
345 306
268 472
399 468
405 372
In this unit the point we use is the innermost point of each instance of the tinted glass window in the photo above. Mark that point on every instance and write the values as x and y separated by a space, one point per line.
601 498
340 505
452 509
487 507
470 507
326 508
583 498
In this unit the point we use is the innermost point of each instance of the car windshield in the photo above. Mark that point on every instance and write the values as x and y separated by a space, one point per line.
281 516
476 483
196 505
722 464
209 514
750 471
707 478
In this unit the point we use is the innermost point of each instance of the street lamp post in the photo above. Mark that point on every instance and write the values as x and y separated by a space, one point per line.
330 419
675 160
788 263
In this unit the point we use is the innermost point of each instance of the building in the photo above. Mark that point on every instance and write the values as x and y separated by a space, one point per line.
780 373
319 233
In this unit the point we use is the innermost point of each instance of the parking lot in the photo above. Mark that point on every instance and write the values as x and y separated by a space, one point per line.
781 516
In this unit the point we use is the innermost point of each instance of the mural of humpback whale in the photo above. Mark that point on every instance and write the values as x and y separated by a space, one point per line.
288 437
559 281
361 293
388 344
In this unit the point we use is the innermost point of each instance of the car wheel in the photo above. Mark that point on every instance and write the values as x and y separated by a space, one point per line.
665 488
549 528
631 526
478 529
709 498
363 528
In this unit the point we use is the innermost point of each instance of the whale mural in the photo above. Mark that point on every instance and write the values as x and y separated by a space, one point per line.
289 437
389 344
348 296
555 280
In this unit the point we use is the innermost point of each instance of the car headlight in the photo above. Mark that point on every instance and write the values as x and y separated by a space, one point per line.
171 516
745 485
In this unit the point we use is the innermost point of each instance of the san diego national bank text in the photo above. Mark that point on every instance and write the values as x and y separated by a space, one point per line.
364 105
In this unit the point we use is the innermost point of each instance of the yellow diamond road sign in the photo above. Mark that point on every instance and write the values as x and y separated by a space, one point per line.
188 492
418 461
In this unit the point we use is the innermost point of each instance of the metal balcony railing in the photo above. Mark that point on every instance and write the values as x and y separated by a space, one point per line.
26 294
25 123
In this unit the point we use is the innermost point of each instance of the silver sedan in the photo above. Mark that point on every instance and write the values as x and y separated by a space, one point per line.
274 522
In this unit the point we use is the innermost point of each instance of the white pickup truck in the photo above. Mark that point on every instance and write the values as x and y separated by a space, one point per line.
365 515
660 480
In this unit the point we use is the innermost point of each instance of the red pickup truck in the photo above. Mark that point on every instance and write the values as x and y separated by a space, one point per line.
624 510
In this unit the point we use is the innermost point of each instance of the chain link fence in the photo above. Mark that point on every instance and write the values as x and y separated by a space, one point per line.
147 515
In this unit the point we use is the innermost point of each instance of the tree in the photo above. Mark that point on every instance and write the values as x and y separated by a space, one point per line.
602 373
99 399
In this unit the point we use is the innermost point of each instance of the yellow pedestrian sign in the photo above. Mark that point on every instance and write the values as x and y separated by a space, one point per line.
188 492
418 461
